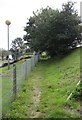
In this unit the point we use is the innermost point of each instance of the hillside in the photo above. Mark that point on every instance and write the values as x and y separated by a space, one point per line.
44 94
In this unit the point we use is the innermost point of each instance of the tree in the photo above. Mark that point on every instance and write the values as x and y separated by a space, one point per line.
18 47
38 29
3 53
53 31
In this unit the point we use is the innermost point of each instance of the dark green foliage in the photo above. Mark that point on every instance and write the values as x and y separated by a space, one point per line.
53 31
77 93
3 53
18 47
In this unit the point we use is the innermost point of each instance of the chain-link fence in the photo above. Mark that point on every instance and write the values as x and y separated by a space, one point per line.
13 79
7 89
0 94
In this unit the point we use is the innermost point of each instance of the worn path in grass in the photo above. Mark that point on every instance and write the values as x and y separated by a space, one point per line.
35 98
36 78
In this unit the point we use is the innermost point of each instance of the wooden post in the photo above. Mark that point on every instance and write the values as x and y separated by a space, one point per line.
14 81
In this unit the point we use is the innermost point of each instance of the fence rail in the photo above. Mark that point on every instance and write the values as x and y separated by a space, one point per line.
12 80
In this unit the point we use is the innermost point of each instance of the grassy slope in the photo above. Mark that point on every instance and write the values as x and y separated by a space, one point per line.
60 79
56 79
0 96
6 84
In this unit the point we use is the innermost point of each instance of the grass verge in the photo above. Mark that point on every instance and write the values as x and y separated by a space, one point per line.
56 79
6 84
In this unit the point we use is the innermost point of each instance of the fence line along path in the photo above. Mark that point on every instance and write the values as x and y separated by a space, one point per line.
13 80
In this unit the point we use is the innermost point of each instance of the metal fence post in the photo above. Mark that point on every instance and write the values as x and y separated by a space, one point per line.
25 70
31 63
34 60
14 81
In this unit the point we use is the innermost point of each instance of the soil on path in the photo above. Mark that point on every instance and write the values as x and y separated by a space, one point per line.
34 113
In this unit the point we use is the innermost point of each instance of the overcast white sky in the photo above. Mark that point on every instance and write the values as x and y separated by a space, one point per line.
17 11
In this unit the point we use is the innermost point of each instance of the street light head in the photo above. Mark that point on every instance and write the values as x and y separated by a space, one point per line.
7 22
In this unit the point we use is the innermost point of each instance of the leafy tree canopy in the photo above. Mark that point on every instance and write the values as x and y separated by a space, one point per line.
18 47
3 53
52 30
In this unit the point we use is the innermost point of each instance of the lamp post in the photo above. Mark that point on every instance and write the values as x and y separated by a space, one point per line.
8 23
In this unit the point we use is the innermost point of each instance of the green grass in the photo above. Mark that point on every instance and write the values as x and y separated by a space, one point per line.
0 97
56 79
6 84
7 91
3 60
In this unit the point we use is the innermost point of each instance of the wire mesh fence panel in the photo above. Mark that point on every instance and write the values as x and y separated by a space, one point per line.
28 64
1 95
36 59
12 80
23 70
20 74
32 62
7 89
